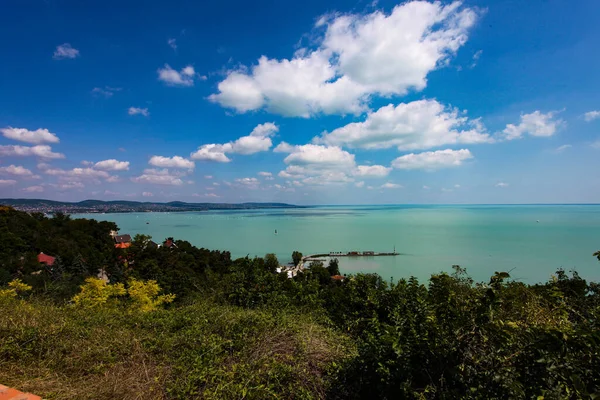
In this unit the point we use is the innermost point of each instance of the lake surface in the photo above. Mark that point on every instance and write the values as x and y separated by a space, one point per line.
482 239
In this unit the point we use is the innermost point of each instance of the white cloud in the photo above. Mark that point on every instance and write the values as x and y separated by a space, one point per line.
172 43
7 182
147 194
65 50
359 184
248 181
562 148
41 151
419 124
283 147
318 165
258 140
171 162
211 152
17 170
113 179
457 186
476 58
426 187
112 165
213 195
216 184
67 185
324 156
265 174
432 160
160 177
107 91
591 115
111 193
78 173
390 185
137 110
356 56
534 124
501 184
23 135
33 189
208 176
378 171
171 77
596 144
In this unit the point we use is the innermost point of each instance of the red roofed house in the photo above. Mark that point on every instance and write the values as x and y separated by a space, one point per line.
122 241
46 259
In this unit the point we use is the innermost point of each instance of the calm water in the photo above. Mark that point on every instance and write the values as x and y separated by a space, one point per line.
483 239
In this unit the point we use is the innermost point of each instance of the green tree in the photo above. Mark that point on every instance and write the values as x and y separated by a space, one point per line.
296 257
271 262
333 267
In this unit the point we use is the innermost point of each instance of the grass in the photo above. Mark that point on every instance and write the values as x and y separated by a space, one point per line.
201 350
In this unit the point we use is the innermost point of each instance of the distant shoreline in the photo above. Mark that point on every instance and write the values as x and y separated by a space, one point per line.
124 206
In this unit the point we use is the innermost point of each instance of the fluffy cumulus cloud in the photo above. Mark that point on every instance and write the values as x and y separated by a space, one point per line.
317 165
265 174
24 135
160 177
17 170
419 124
138 111
591 115
65 50
33 189
171 77
432 160
112 165
41 151
258 140
534 124
356 56
212 152
250 183
171 162
314 164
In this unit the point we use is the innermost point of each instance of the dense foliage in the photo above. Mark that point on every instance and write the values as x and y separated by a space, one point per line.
238 329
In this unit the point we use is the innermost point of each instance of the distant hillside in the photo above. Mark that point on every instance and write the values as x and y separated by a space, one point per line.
129 206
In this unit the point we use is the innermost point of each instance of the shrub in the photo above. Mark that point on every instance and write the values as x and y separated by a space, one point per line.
96 293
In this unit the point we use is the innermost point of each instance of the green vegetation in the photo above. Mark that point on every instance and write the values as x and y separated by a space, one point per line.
236 329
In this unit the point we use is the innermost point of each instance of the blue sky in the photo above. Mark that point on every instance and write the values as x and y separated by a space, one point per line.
340 102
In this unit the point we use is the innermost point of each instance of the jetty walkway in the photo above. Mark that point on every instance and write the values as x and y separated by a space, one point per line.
336 254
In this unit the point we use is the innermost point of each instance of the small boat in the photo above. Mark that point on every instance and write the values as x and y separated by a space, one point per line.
147 223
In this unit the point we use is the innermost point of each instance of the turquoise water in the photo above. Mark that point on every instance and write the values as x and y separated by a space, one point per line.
483 239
